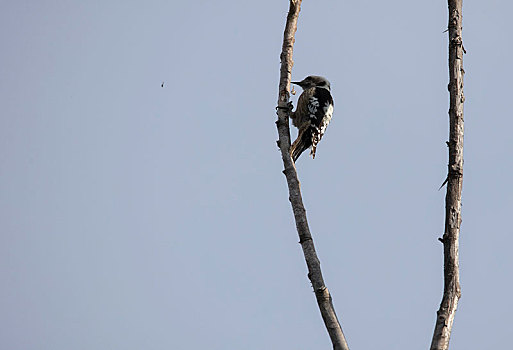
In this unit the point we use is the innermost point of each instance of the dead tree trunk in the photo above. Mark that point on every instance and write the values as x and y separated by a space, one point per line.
305 238
450 239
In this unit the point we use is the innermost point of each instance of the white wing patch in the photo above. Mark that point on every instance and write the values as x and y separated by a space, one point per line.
313 104
328 112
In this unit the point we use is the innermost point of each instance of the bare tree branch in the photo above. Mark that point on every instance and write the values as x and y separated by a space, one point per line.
450 239
305 238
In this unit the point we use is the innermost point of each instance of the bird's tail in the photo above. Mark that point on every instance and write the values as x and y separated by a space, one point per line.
316 137
302 143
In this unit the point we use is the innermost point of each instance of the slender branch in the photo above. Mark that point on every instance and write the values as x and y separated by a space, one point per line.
305 238
450 239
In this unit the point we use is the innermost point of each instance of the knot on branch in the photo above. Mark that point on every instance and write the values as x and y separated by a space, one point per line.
456 41
281 121
303 239
323 293
284 97
287 172
442 320
455 113
455 171
454 220
455 16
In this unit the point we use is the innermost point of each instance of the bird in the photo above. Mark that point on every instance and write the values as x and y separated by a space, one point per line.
312 115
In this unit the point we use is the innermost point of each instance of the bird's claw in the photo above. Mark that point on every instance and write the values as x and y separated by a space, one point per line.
289 107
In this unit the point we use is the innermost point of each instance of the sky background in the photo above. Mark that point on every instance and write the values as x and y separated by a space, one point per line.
139 217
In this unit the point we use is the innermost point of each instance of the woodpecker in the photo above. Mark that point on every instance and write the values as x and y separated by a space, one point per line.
312 115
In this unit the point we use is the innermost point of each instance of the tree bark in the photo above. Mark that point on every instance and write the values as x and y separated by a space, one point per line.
305 238
450 239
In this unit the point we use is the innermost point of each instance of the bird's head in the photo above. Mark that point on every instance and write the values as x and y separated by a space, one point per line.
313 81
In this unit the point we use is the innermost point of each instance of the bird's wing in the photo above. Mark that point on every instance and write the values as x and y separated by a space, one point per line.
320 108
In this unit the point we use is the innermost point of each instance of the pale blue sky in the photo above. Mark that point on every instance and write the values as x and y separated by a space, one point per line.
139 217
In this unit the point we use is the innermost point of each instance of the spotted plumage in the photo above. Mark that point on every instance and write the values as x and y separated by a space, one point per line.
312 115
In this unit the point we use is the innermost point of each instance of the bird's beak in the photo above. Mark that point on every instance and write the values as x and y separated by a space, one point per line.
296 82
